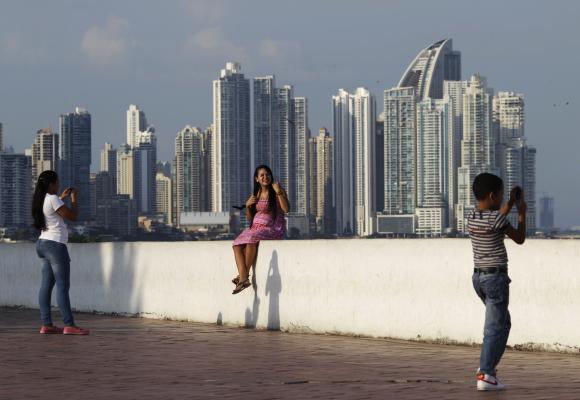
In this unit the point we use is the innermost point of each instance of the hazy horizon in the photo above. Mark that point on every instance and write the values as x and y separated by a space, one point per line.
163 56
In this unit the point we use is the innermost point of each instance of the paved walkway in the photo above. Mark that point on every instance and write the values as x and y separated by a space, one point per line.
133 358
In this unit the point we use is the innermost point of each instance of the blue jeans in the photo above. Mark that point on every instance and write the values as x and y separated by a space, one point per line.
55 269
494 291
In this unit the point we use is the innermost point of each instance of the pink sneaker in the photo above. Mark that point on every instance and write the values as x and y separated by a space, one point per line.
75 330
50 330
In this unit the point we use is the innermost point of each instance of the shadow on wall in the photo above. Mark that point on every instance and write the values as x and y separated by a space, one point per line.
273 289
115 281
252 315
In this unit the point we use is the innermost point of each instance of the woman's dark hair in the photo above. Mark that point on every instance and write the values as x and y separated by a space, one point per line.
44 181
272 206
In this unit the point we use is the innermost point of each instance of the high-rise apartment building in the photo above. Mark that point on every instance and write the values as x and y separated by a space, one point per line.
281 136
266 123
136 122
400 151
514 158
546 212
117 214
298 188
231 144
453 92
191 177
75 156
147 147
380 162
477 146
434 167
127 161
432 66
285 134
164 201
321 189
15 190
136 172
343 162
44 152
354 127
109 163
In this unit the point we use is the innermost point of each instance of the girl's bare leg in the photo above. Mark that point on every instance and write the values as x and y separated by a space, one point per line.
239 253
251 253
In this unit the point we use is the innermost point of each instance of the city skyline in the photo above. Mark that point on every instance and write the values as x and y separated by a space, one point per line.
545 104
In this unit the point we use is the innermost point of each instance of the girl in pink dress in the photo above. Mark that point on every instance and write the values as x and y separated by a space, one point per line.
265 210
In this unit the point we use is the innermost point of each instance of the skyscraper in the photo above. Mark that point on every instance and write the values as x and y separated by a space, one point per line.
136 122
231 147
400 151
434 173
281 136
508 118
286 126
164 201
546 212
298 188
515 159
75 156
266 123
103 189
354 125
364 113
108 158
321 188
109 163
342 105
44 152
432 66
128 161
147 147
191 178
1 138
380 162
477 146
15 190
453 92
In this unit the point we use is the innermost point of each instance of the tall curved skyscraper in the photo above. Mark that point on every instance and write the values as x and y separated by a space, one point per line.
433 65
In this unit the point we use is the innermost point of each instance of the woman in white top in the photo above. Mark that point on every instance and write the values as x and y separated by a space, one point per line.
49 213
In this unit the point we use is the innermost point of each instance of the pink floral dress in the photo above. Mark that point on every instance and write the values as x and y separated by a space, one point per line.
264 227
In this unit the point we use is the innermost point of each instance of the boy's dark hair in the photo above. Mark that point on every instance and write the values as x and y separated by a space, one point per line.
486 183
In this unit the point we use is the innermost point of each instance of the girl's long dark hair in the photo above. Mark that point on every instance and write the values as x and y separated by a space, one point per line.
272 205
44 181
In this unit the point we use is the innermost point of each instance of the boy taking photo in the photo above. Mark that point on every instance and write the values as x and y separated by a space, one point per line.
488 225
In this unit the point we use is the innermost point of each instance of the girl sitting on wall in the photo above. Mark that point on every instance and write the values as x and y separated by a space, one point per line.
265 210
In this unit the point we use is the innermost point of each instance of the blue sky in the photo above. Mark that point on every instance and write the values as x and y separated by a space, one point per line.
105 55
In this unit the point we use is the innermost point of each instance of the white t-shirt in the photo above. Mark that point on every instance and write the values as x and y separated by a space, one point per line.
55 226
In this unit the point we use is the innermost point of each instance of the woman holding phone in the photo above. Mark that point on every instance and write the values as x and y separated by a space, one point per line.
49 212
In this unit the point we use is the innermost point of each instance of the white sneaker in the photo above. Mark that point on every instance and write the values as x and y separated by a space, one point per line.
487 382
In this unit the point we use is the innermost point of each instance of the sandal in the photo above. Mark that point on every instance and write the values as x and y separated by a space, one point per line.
236 280
241 286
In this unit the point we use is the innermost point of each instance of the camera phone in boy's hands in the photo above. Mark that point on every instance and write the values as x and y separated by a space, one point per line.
517 193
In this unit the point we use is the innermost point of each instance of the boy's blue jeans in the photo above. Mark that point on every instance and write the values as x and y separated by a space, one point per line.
494 291
55 269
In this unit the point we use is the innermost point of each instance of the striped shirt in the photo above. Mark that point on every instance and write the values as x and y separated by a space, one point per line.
486 230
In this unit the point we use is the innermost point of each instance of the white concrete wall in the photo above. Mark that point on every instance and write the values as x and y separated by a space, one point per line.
409 289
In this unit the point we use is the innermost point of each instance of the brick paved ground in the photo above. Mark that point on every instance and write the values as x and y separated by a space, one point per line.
132 358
